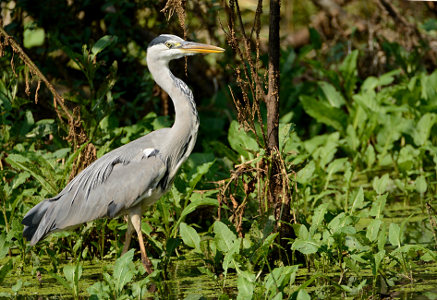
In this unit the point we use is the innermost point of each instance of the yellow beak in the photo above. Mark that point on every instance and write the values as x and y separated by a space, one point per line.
192 47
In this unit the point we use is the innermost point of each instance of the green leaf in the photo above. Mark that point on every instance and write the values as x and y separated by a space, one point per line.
305 175
21 163
378 257
100 290
378 206
228 260
192 207
224 237
189 236
280 277
334 98
421 184
373 230
324 113
380 185
370 156
241 142
394 235
102 43
199 172
33 37
303 295
382 237
123 270
316 40
306 247
4 245
358 201
348 70
284 133
5 269
423 128
318 216
245 285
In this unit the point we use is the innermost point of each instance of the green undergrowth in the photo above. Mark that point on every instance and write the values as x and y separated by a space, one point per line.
360 155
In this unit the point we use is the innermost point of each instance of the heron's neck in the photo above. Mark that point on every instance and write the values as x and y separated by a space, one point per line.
183 133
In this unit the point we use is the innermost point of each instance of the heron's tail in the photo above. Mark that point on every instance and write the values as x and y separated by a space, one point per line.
36 226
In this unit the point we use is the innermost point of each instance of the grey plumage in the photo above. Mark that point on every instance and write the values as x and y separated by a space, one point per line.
128 179
118 177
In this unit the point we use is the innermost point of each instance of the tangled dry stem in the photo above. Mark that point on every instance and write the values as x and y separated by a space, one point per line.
254 90
76 134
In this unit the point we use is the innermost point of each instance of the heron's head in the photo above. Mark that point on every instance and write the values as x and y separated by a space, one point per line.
167 47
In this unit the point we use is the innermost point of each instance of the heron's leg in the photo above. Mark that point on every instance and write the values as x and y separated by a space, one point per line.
129 231
135 218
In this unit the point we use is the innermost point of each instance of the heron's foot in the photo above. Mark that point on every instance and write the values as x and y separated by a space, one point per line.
147 264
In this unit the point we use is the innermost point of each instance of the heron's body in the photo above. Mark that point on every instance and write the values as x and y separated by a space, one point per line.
128 179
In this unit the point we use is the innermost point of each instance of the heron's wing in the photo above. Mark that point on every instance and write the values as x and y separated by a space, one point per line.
97 173
116 181
123 188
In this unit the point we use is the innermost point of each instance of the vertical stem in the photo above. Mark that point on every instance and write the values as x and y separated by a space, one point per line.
273 92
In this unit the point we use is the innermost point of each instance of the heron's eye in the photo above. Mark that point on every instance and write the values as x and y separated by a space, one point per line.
169 45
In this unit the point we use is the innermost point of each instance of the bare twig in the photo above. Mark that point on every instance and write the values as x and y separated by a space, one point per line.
76 134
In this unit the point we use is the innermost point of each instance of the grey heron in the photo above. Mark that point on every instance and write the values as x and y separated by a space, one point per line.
132 177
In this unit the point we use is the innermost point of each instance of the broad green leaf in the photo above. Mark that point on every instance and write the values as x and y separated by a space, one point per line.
189 236
304 175
421 184
382 237
123 270
224 237
423 128
370 156
280 277
5 269
357 201
378 259
228 259
102 43
284 133
373 229
69 273
241 142
318 216
324 113
302 231
199 172
394 235
33 37
245 285
4 245
380 185
334 167
305 246
334 98
100 290
303 295
378 206
192 207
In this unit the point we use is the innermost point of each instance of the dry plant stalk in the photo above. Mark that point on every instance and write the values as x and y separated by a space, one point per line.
257 86
76 133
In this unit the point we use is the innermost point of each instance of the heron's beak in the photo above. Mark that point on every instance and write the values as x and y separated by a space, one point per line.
192 47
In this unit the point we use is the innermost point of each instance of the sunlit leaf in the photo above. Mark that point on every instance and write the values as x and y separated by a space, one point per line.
394 235
189 236
103 43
